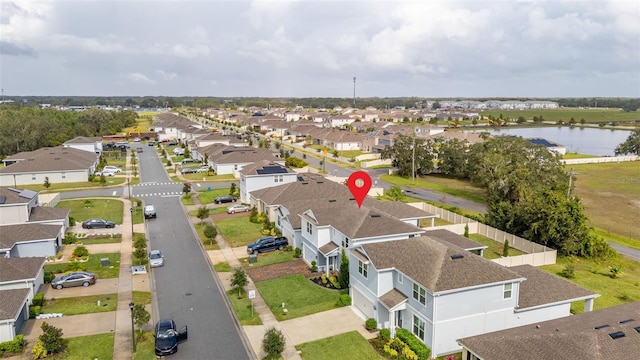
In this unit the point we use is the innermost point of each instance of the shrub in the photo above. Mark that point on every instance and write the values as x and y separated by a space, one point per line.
51 338
75 266
314 266
344 300
39 351
34 310
48 277
69 238
323 277
140 242
568 271
505 248
334 282
466 230
72 221
385 334
38 299
371 324
397 344
59 255
288 248
389 352
417 346
297 252
615 271
80 251
273 343
14 346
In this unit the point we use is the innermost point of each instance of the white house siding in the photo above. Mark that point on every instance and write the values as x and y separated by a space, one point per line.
342 146
13 214
37 178
35 248
468 303
363 290
224 169
253 183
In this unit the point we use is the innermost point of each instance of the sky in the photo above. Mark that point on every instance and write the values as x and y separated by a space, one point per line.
315 48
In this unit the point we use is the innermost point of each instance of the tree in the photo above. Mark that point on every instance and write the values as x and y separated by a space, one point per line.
273 343
186 188
234 190
343 276
521 120
239 280
452 157
435 105
202 213
210 232
51 338
408 151
505 248
141 317
631 145
46 184
395 193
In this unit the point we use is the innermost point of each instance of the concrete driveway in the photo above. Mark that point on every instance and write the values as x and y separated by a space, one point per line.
72 326
102 286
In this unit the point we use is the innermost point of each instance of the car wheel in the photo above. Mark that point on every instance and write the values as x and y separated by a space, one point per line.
59 286
111 226
233 212
280 247
85 284
255 252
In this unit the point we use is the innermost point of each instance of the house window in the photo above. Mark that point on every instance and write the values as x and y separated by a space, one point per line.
235 167
33 176
309 228
278 178
345 242
506 294
64 175
363 268
400 278
419 294
418 327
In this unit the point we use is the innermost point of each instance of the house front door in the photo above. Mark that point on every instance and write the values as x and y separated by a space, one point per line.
399 318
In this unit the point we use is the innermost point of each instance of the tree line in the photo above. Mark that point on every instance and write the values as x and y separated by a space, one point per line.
528 192
30 128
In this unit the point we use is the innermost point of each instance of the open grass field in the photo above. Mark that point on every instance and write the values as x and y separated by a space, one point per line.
242 308
570 155
610 193
345 346
302 297
443 185
81 210
494 249
589 115
81 304
98 346
239 231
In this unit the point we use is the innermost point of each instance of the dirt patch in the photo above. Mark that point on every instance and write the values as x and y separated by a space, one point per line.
275 271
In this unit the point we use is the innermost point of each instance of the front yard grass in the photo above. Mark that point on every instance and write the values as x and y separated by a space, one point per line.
212 211
345 346
269 258
593 274
239 231
99 346
223 267
145 348
95 240
81 304
186 198
494 250
208 244
302 297
93 265
199 177
242 308
142 297
108 209
207 197
61 187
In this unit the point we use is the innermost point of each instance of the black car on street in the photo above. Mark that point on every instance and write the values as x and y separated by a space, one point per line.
167 337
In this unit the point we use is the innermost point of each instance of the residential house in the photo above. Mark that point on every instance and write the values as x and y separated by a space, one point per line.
230 159
263 174
14 312
91 144
611 333
167 125
31 239
57 165
16 205
442 292
339 121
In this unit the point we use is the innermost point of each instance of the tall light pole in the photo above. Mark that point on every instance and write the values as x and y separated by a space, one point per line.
413 161
133 330
354 91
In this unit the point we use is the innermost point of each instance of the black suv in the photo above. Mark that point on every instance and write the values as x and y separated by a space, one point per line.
224 199
167 338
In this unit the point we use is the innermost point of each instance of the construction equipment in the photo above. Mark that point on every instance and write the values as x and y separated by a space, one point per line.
133 130
453 124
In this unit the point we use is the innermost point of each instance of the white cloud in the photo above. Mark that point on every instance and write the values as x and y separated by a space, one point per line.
167 75
139 78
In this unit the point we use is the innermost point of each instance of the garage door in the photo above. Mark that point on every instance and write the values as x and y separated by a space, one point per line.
22 318
362 303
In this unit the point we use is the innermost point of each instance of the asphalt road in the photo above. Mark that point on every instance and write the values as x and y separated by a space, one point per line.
626 251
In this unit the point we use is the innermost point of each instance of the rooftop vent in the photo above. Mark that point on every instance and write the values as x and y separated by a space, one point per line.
352 198
332 200
626 321
601 327
617 335
637 329
456 256
375 215
320 182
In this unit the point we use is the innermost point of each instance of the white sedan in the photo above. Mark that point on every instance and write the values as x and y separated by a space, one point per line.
237 208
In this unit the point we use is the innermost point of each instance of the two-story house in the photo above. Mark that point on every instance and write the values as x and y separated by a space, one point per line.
263 174
91 144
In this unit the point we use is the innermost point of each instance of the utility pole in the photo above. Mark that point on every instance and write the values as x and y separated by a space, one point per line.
354 91
413 162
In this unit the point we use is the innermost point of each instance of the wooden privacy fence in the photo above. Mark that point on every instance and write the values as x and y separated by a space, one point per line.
536 254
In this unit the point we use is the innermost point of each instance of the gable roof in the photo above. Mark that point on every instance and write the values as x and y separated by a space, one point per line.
11 234
265 167
83 140
12 269
11 302
568 338
455 239
53 159
43 213
16 196
429 262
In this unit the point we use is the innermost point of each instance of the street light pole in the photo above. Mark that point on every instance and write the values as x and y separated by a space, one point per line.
133 333
131 210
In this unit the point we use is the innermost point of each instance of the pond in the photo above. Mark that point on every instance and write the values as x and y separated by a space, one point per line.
592 141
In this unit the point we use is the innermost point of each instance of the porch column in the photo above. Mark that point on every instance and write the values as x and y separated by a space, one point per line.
392 326
433 222
326 267
588 305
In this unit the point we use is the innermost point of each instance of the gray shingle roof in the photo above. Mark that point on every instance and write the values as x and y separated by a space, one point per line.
11 302
53 159
544 288
567 338
455 239
11 234
429 263
12 196
84 140
252 169
393 298
42 213
12 269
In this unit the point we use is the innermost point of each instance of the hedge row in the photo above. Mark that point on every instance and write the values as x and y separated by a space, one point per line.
414 344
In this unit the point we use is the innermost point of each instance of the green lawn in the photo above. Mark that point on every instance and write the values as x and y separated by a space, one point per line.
622 240
443 185
138 212
81 210
494 250
208 245
208 196
239 231
93 265
198 177
186 199
345 346
98 346
142 297
242 308
302 297
223 267
594 275
94 240
590 115
273 257
350 153
58 187
145 348
577 156
218 210
81 304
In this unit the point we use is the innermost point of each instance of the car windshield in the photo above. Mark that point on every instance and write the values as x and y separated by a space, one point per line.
166 334
155 256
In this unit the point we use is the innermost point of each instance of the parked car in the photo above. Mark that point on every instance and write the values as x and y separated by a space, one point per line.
139 149
267 243
203 169
167 338
78 278
151 143
237 208
178 151
224 199
188 171
97 223
172 143
156 258
187 161
149 212
137 139
104 173
111 168
109 145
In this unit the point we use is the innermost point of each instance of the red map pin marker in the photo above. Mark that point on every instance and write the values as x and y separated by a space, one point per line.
359 184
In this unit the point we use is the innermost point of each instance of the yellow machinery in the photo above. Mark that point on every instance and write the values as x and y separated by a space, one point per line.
453 124
134 130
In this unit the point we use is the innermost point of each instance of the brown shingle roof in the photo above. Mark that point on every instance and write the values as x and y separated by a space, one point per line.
252 169
393 298
328 248
11 302
42 213
455 239
11 234
53 159
567 338
12 269
12 196
84 140
429 263
544 288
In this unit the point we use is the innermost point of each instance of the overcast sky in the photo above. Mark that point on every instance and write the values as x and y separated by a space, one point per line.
314 48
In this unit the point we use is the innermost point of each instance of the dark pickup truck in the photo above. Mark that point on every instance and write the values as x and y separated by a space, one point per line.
267 243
